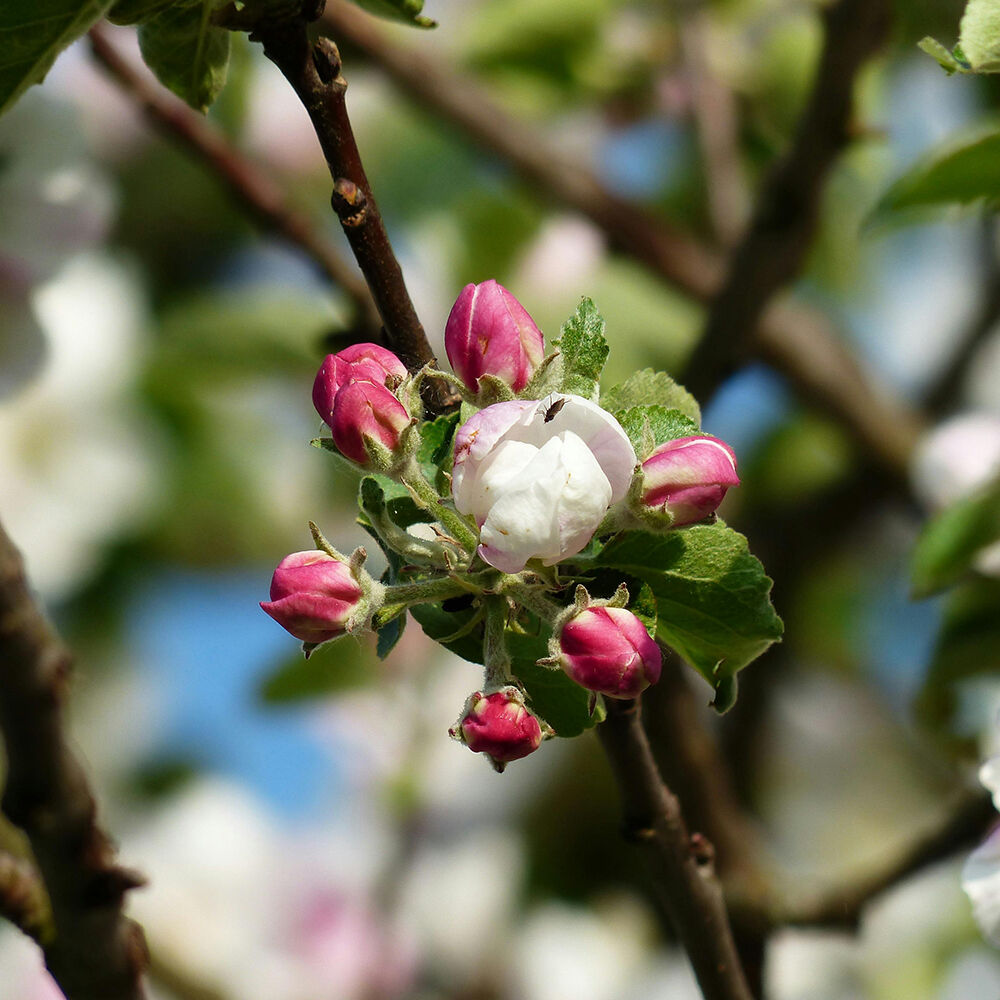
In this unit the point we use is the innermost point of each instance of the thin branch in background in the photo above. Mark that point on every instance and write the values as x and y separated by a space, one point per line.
963 823
799 342
314 71
252 189
774 249
944 393
716 126
680 866
95 953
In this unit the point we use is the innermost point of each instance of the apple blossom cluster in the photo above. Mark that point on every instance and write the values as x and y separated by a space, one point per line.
497 521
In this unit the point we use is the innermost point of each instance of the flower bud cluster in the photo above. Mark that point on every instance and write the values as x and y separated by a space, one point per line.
529 484
353 396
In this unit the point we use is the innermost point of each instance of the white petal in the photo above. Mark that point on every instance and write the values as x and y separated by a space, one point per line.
478 436
981 882
495 475
598 430
561 498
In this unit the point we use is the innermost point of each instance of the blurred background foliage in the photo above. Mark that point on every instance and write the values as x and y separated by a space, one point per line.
309 829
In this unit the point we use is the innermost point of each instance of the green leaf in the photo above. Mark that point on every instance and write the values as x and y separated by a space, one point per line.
979 35
334 667
951 541
407 11
435 451
389 635
563 704
959 172
583 351
138 11
188 54
649 426
649 387
712 595
33 33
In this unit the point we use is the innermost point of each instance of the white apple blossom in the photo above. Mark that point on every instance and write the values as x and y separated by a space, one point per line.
538 477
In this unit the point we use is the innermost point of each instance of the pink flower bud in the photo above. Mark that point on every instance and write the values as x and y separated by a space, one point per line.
608 650
689 477
490 333
366 410
313 596
500 726
357 363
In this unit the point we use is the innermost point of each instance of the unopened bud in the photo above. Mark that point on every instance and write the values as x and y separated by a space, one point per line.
688 477
314 596
365 411
358 363
500 726
608 650
490 333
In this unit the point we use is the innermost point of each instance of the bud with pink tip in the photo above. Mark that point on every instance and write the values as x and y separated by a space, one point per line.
490 333
366 412
687 478
500 726
608 650
314 596
357 363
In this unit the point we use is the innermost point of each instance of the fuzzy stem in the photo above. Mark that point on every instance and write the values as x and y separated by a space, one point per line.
427 497
495 654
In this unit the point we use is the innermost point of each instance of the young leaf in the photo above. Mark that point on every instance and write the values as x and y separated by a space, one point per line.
655 388
951 541
188 54
33 33
652 425
945 58
435 451
333 667
583 351
407 11
957 172
712 595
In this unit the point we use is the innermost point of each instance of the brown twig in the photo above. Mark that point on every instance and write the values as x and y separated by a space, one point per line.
963 824
96 953
681 866
251 188
774 249
799 342
314 71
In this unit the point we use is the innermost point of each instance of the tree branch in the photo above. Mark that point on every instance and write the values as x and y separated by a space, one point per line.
314 71
774 249
963 824
798 341
95 953
680 865
249 186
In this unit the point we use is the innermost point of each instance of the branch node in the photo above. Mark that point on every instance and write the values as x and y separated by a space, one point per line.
702 850
326 59
349 202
